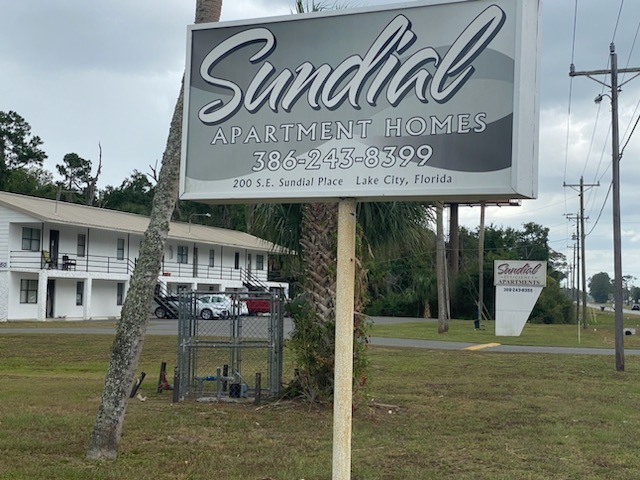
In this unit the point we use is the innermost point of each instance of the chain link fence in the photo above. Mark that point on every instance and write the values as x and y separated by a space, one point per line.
230 346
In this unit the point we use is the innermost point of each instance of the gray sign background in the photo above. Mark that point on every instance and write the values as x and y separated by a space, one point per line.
467 165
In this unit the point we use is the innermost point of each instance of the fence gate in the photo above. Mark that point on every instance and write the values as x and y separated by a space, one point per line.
236 352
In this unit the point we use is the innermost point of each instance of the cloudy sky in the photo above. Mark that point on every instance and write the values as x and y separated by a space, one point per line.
83 72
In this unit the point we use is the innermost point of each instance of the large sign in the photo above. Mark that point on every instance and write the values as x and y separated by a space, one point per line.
519 273
518 285
407 102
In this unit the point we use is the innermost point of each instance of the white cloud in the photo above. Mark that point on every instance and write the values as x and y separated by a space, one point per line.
84 72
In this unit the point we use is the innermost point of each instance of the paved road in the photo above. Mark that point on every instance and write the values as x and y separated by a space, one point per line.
492 347
169 327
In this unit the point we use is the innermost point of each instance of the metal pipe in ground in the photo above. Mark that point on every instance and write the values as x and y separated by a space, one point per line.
176 385
258 390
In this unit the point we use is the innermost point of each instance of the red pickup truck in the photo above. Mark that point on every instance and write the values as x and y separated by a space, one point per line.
258 305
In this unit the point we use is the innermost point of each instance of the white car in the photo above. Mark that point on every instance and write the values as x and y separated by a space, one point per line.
212 310
208 307
234 307
216 298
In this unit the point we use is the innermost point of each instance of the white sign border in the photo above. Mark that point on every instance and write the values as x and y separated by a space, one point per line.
524 174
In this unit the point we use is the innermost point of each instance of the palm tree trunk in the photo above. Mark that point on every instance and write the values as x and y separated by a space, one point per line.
318 241
313 337
127 346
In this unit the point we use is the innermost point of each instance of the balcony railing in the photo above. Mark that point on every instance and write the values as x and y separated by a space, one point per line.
20 259
211 273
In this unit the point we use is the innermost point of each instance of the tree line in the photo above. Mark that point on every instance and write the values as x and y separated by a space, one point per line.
601 288
400 275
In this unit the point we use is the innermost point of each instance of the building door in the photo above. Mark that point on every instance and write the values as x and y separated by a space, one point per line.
195 261
54 243
51 295
249 264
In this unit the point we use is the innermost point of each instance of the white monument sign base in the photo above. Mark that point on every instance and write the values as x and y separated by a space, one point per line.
513 306
518 285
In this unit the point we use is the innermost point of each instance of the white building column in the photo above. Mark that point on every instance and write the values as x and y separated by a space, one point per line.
43 279
4 293
88 290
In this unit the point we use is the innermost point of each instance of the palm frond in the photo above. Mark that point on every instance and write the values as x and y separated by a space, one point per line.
279 223
306 7
392 227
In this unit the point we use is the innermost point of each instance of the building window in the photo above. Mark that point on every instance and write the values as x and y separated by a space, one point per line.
79 292
120 249
212 258
236 261
28 291
183 254
30 239
82 245
119 293
259 262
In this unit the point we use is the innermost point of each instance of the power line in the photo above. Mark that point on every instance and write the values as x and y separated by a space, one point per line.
573 53
615 162
615 29
632 130
601 209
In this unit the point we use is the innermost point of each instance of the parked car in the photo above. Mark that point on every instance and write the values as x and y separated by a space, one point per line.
219 298
167 307
635 306
234 306
212 310
258 305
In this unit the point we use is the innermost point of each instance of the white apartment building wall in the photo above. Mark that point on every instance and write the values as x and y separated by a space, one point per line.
104 298
94 287
18 310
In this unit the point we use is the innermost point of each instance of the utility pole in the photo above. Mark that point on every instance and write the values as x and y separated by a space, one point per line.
443 302
454 237
572 272
615 181
480 267
581 236
576 281
576 260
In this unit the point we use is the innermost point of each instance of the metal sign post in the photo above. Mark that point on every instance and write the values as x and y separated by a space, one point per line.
343 373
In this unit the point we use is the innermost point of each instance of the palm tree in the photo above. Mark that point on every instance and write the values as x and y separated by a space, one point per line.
309 230
303 7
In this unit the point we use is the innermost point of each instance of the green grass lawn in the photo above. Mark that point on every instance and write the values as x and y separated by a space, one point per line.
58 324
598 334
423 415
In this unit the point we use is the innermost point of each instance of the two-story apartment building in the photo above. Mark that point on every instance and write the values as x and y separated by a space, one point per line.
62 260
